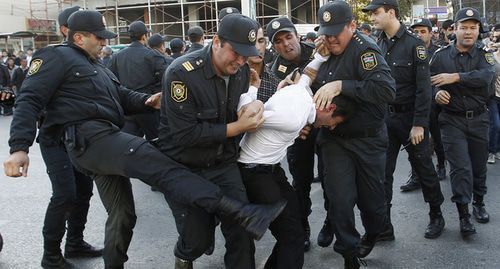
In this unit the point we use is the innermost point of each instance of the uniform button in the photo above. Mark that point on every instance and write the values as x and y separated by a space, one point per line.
361 42
77 73
222 102
388 53
95 71
393 63
323 82
131 150
330 73
378 76
409 63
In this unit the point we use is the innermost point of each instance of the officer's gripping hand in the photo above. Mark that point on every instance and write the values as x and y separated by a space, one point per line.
325 94
154 101
442 97
254 78
304 133
17 164
445 79
292 78
416 135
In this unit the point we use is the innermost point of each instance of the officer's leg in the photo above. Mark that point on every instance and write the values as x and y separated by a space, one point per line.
340 183
436 138
117 198
132 126
240 248
266 187
149 124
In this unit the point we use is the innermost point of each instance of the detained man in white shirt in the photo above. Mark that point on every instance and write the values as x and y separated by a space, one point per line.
285 114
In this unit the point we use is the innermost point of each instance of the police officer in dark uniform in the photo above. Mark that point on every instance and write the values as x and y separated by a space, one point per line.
226 11
300 156
423 28
408 119
85 106
462 73
157 43
200 128
196 37
137 69
354 152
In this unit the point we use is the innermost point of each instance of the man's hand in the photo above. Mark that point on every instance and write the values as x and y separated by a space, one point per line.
17 164
445 79
288 80
304 133
254 78
251 109
154 101
6 95
325 94
321 47
250 117
442 97
416 135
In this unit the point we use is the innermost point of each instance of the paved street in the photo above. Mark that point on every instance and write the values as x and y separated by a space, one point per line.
23 202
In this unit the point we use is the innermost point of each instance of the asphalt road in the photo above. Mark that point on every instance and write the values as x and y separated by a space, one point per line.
23 202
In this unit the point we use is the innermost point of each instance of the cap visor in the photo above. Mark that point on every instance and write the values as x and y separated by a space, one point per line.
469 18
289 29
370 7
105 34
244 50
333 30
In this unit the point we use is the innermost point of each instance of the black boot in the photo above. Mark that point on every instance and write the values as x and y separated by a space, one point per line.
479 211
113 267
325 236
353 263
412 184
388 233
53 259
367 243
183 264
1 242
466 226
307 235
441 171
436 224
254 218
78 248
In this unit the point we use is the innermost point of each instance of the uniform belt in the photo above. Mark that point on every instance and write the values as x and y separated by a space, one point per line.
368 132
468 114
260 167
401 108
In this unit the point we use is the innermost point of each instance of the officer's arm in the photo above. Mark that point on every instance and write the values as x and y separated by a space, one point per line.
133 102
42 81
187 125
483 75
423 82
112 65
376 84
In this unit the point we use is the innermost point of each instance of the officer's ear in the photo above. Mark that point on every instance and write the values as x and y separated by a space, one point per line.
216 41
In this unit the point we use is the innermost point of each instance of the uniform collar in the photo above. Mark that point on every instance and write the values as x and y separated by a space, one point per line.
81 51
136 44
304 55
398 35
454 51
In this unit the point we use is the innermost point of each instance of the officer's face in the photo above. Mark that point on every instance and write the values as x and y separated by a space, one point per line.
467 33
381 18
261 48
226 60
90 43
337 44
287 45
424 33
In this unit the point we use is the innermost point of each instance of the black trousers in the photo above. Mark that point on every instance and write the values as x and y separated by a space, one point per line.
143 125
196 226
354 175
71 193
300 158
436 133
267 186
111 156
466 147
398 128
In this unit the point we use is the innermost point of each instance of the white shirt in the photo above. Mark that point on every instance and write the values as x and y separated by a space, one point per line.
285 114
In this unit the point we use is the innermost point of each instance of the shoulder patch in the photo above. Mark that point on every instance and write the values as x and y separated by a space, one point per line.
178 91
490 58
282 68
421 52
35 66
188 66
369 60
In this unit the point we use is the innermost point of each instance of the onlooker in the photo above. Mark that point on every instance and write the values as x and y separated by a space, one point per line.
310 37
177 47
494 103
20 74
107 53
366 29
5 56
29 55
17 61
445 33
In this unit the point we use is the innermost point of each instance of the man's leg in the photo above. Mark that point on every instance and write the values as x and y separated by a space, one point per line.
437 142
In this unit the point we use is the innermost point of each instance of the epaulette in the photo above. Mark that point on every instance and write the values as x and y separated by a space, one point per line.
363 42
192 64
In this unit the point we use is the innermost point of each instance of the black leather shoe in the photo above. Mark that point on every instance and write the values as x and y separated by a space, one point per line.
366 245
307 240
55 260
479 212
387 235
412 184
435 227
325 236
81 249
353 263
441 172
183 264
466 227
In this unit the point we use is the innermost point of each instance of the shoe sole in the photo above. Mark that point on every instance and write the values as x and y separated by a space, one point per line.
434 236
482 221
467 234
386 238
408 190
76 256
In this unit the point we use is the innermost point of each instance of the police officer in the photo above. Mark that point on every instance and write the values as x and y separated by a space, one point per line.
196 37
85 105
137 69
354 152
423 28
200 129
157 43
462 73
408 119
177 47
300 156
226 11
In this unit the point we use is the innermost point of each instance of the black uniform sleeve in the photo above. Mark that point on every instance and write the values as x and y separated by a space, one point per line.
376 84
186 125
480 77
133 102
46 74
423 90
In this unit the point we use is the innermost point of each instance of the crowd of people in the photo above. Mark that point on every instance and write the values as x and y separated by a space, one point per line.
209 125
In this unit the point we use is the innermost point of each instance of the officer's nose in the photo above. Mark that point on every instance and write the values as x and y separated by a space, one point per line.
241 60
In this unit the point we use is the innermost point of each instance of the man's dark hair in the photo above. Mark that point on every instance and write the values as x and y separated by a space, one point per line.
194 38
396 9
496 27
135 37
345 107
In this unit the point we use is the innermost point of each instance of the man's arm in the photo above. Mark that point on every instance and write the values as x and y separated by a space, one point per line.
424 89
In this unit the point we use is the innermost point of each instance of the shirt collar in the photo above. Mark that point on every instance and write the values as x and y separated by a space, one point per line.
398 35
454 51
